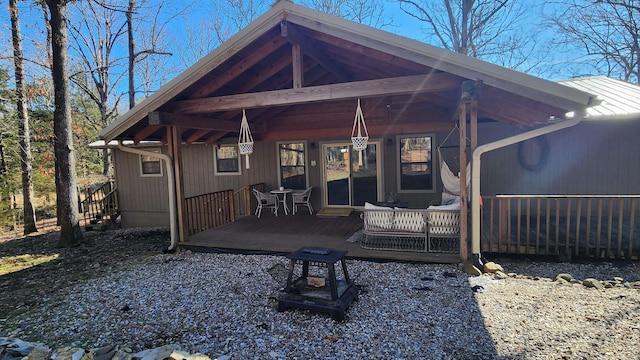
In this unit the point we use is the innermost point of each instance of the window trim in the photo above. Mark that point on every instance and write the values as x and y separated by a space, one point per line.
306 159
142 173
399 164
215 161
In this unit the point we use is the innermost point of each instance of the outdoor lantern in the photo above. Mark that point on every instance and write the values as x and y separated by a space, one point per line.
359 139
245 140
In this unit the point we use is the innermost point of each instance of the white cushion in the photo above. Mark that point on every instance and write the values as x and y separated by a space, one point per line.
454 206
381 217
448 199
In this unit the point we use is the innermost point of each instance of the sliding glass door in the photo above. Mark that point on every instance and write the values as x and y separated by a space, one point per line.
351 177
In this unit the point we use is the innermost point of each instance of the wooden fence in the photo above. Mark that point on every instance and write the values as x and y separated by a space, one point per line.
576 226
211 210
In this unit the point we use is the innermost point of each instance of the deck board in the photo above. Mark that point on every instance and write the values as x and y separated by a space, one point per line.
285 234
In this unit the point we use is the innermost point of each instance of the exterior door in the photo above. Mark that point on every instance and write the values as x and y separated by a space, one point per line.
351 177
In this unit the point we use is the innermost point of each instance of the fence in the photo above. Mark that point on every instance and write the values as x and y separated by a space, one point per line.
581 226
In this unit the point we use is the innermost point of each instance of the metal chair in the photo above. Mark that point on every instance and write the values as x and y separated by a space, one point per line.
302 198
266 201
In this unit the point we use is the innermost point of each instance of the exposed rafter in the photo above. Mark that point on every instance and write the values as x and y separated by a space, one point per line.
239 67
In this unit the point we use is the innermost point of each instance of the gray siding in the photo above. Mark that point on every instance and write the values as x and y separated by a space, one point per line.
593 157
143 201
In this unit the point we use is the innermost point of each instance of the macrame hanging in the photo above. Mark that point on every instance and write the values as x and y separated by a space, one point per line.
245 140
359 139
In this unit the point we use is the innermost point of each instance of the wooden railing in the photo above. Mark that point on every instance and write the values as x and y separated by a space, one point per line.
211 210
99 203
244 200
574 226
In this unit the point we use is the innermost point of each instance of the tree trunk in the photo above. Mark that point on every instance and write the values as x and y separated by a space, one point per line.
70 233
132 55
23 123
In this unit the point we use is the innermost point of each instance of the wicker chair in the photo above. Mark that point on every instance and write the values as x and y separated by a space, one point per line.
266 201
302 198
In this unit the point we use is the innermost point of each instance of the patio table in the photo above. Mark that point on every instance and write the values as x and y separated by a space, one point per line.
283 199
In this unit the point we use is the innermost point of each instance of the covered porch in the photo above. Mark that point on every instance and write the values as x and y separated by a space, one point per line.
284 234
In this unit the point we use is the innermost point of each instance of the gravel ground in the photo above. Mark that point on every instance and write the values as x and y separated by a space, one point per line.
225 306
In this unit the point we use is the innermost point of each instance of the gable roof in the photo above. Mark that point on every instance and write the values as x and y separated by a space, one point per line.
292 57
620 99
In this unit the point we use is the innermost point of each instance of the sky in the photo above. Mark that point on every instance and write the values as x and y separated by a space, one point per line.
189 22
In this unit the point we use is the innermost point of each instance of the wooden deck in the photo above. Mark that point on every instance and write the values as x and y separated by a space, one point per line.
285 234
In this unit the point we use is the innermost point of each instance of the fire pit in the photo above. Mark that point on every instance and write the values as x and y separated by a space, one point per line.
315 293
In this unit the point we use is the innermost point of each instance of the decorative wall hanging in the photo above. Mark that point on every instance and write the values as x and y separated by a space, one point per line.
359 139
245 140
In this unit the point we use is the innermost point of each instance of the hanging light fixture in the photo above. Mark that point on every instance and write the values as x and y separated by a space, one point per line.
359 139
245 140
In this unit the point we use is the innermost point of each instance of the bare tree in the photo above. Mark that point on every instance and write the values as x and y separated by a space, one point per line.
368 12
66 179
487 29
96 36
28 208
605 35
150 23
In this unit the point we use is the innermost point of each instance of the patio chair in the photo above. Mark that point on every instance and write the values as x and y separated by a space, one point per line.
266 201
302 198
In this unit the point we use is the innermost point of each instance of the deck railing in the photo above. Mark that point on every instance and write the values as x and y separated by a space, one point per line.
245 202
208 211
100 203
580 226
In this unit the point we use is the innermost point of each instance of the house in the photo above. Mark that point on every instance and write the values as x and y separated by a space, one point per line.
298 76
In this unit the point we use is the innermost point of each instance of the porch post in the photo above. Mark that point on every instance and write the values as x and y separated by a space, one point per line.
463 180
175 149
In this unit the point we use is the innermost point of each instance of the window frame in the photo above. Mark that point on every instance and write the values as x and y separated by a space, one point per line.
141 162
215 160
306 160
431 162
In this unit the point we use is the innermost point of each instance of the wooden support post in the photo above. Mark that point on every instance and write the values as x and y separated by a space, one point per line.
464 231
296 60
175 150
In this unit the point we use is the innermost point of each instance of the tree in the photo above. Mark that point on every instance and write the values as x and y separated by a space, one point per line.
23 123
96 37
368 12
604 33
486 29
66 180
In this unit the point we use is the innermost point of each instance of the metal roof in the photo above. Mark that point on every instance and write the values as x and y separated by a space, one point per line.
620 99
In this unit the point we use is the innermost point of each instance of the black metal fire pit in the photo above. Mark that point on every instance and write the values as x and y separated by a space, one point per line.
321 294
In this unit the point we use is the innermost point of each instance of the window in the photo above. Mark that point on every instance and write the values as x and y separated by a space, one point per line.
227 160
416 164
149 165
293 173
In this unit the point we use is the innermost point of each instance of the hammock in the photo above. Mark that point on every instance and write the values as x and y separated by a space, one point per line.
451 181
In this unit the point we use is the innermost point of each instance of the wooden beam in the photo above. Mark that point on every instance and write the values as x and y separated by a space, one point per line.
193 122
296 61
311 49
241 66
142 134
197 135
352 90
